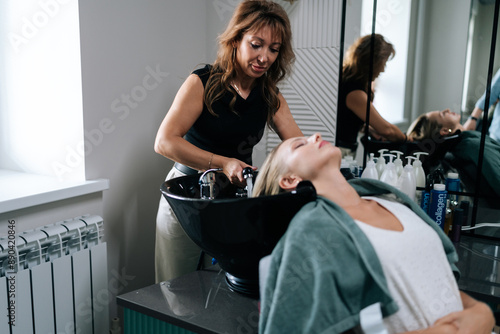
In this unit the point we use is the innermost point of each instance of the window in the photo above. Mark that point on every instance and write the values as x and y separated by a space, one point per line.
41 123
393 22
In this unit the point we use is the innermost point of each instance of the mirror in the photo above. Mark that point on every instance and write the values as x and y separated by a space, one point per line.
444 47
431 63
478 53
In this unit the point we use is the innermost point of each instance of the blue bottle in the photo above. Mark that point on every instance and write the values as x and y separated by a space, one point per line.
452 184
437 207
425 200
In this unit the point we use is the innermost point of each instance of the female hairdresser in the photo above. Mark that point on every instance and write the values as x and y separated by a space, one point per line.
361 242
353 94
220 113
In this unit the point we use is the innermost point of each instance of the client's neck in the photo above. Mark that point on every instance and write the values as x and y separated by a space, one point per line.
459 127
335 187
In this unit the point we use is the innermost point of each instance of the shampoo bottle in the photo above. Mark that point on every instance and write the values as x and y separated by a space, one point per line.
407 182
389 175
420 178
380 162
398 162
437 207
370 171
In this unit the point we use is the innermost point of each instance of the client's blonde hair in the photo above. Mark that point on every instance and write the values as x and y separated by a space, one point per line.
423 128
269 175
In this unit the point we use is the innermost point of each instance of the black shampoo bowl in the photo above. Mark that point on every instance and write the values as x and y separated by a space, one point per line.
237 231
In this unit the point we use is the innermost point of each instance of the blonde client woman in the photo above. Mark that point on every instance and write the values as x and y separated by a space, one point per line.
361 242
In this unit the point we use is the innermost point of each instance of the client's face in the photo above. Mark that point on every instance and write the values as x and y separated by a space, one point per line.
447 118
307 156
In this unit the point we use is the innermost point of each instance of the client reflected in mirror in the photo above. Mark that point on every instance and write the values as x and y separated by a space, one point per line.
361 242
435 125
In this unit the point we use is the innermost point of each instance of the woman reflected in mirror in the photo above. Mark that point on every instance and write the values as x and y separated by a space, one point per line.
439 122
356 92
437 125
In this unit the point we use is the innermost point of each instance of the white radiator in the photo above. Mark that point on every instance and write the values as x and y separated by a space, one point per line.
54 280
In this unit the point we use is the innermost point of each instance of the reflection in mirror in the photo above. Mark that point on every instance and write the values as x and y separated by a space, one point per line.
478 52
428 70
393 22
444 48
481 66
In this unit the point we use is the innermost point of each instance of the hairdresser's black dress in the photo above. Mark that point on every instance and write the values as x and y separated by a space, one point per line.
348 124
230 133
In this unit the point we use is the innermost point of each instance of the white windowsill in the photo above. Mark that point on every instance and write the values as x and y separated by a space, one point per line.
21 190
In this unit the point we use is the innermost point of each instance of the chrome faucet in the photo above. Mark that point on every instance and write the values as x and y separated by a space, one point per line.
248 176
207 182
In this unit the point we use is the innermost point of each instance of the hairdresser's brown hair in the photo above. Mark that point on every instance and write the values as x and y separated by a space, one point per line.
357 59
249 16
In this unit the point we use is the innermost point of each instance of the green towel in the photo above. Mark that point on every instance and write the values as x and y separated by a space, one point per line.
324 270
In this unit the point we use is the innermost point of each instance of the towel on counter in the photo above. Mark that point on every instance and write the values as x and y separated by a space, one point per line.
324 270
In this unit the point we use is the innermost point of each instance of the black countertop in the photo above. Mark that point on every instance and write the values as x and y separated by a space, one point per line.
479 264
199 301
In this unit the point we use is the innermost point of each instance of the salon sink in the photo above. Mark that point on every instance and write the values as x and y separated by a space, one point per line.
234 229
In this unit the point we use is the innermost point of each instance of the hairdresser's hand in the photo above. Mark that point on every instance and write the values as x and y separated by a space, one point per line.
476 318
233 168
375 135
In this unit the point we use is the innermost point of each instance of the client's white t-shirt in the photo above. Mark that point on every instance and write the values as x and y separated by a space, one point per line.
418 274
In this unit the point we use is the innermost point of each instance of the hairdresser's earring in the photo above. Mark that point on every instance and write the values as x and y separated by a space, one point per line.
449 130
234 54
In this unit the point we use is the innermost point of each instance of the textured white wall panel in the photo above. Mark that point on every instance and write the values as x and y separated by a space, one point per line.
311 90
